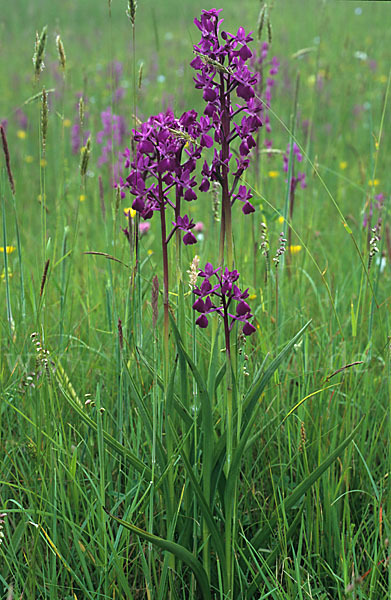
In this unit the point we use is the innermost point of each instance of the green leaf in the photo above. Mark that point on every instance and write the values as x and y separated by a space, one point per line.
110 441
261 537
254 393
178 405
206 412
277 550
179 551
147 419
206 512
213 362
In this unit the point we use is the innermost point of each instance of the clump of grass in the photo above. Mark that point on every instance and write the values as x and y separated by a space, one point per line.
297 510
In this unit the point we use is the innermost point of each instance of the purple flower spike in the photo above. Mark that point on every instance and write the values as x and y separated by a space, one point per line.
162 172
222 86
225 291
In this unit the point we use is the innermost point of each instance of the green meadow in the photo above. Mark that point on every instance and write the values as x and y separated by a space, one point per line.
155 449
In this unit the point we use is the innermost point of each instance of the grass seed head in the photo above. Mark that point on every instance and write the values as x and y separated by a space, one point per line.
61 53
7 159
215 189
120 335
269 31
131 11
81 110
281 249
44 277
261 21
85 157
193 271
39 52
140 75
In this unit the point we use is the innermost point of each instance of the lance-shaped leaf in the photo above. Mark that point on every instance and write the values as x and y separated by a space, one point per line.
179 551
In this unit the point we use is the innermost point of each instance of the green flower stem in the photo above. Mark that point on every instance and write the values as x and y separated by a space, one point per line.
165 278
7 288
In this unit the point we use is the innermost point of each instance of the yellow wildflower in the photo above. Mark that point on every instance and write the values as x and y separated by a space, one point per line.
373 182
252 296
2 276
273 174
9 249
343 164
294 249
67 122
82 197
29 159
21 134
130 211
280 219
150 252
383 78
43 162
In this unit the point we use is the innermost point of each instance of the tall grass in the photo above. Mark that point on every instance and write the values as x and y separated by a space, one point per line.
138 467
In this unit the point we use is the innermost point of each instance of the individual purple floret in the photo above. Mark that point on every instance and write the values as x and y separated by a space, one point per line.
184 224
224 297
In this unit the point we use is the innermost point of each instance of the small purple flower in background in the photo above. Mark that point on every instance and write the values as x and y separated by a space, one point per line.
266 70
79 136
300 177
144 227
225 298
115 71
22 119
296 178
75 138
199 227
111 138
